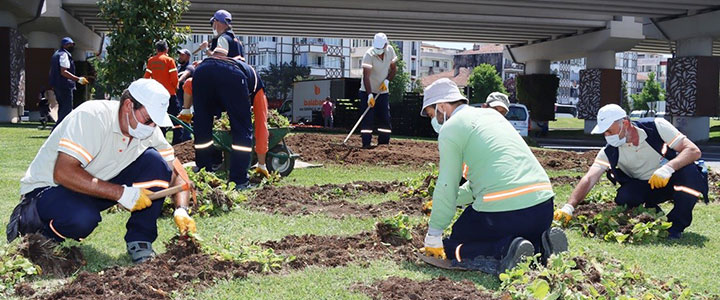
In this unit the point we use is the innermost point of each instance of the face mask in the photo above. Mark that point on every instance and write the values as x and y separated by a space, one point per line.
434 122
70 49
215 33
379 51
142 131
615 140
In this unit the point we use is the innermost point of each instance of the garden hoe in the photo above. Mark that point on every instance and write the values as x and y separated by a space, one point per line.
344 143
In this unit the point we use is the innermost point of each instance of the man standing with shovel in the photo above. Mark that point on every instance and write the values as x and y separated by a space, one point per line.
378 69
104 153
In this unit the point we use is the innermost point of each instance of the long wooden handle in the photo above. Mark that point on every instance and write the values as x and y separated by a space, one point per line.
356 124
168 191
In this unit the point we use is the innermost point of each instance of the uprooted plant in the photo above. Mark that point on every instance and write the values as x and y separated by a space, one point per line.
14 267
266 258
580 275
620 224
274 120
395 230
214 195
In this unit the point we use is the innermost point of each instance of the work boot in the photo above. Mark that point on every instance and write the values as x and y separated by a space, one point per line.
554 241
140 251
245 186
518 250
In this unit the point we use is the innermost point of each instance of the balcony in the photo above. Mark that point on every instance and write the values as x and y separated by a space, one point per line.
266 45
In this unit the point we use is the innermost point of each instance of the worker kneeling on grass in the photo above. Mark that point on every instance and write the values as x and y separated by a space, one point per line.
652 161
104 153
510 194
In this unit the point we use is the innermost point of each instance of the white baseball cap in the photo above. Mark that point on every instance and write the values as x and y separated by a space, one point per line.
380 40
154 97
441 91
607 115
496 99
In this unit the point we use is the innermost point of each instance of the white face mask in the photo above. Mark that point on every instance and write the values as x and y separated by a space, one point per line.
215 33
140 132
615 140
434 122
379 51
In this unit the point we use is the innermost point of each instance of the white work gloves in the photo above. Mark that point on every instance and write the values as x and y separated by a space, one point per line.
434 244
185 115
262 169
564 214
82 80
371 100
135 199
661 177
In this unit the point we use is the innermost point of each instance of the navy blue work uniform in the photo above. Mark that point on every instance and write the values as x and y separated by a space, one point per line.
235 46
378 115
75 215
684 187
63 87
180 134
220 83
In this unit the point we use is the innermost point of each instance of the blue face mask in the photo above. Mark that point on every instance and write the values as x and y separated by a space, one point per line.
434 122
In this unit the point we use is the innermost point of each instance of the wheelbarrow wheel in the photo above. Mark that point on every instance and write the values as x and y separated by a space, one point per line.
283 166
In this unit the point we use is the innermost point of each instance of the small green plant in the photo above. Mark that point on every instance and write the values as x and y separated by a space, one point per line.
14 267
214 195
400 224
266 258
423 185
600 197
579 275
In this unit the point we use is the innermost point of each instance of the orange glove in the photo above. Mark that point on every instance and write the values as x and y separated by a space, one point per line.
183 221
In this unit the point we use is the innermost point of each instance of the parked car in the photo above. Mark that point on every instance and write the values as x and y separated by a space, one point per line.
518 115
565 111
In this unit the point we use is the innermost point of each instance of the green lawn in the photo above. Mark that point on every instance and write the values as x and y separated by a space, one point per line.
695 259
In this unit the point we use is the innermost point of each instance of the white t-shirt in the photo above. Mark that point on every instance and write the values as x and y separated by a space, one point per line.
641 162
379 68
91 134
64 60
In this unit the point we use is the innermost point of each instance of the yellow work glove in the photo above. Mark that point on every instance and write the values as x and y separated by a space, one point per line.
262 169
183 221
371 100
564 214
185 115
82 80
660 177
427 207
384 86
434 246
134 199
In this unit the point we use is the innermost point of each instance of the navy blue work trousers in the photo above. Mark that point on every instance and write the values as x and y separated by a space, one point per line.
64 97
378 115
218 84
68 214
490 233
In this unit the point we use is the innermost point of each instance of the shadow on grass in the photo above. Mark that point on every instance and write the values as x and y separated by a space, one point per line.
691 239
488 281
97 260
35 125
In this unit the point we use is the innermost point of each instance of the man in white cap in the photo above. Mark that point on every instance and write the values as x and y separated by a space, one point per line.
509 194
652 161
104 153
379 67
498 101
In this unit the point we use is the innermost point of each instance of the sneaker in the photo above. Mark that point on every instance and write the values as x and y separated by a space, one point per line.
518 250
553 241
245 186
140 251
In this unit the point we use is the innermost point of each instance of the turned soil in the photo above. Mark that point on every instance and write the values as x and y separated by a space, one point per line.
50 256
331 200
185 151
400 288
183 265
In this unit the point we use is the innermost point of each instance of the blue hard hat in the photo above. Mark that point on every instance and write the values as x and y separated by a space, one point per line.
222 16
66 40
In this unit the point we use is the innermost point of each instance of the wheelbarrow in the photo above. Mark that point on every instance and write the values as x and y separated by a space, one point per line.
279 156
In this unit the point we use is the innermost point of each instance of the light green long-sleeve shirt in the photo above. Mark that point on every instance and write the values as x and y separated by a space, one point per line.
503 174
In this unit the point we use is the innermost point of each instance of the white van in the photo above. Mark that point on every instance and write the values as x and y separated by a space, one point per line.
518 115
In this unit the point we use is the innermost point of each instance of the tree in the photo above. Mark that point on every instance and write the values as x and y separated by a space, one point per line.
399 84
624 101
135 26
279 78
650 92
483 81
417 86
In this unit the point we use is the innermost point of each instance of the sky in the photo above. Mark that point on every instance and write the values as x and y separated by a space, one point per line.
451 45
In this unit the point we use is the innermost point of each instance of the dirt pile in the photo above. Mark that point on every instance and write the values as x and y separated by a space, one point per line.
561 180
185 151
331 200
181 266
324 148
50 256
589 210
564 160
400 288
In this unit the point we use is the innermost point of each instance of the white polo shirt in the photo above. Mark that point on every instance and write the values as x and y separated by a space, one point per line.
641 162
379 68
91 134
